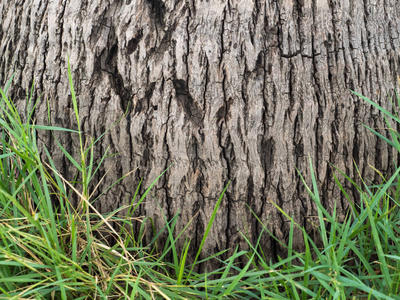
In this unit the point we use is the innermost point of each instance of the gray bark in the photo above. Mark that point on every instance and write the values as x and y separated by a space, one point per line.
223 90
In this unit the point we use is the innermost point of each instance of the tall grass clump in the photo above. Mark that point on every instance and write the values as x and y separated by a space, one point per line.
52 249
360 256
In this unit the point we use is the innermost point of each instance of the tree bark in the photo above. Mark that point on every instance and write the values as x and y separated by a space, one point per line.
222 90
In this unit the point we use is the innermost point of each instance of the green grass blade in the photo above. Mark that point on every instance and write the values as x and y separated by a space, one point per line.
208 228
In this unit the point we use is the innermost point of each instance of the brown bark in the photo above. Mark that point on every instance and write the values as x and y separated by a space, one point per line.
240 90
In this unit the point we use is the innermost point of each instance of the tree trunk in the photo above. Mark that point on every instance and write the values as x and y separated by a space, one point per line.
222 90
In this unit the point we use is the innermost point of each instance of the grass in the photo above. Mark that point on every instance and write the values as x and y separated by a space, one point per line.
51 249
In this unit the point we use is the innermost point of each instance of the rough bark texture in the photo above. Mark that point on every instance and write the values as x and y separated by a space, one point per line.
240 90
